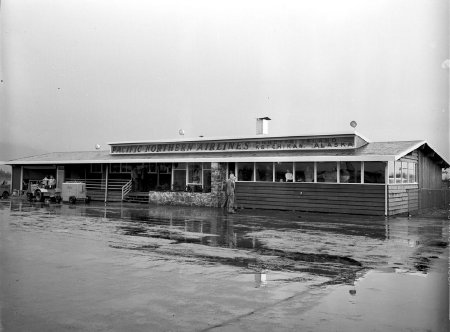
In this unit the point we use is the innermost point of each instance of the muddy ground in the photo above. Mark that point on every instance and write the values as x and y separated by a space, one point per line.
148 268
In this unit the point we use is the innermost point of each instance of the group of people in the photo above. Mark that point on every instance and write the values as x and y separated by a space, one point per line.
49 182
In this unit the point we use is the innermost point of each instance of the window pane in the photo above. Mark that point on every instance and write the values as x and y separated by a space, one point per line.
206 180
125 168
115 168
283 172
206 166
165 168
391 172
264 172
398 172
350 172
96 168
327 172
304 172
412 173
195 173
152 168
374 172
404 172
179 180
179 165
245 171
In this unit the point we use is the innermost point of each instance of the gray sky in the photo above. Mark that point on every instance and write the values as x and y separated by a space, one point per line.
80 72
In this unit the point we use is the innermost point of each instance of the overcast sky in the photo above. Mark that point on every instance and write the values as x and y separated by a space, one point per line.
76 73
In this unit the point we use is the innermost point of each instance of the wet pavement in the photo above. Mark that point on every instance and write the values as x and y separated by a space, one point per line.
156 268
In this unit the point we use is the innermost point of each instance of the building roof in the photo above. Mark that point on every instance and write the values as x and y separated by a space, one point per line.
374 151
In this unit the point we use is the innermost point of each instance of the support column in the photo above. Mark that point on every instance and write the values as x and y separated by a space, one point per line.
218 179
106 183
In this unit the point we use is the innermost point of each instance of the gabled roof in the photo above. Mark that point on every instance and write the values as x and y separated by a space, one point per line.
374 151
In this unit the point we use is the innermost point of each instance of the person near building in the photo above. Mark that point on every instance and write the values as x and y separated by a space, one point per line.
45 182
230 189
289 176
52 182
135 178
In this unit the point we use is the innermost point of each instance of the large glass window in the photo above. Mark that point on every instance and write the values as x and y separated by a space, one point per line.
96 168
398 172
114 168
179 176
195 173
304 172
404 172
283 172
412 175
374 172
264 172
327 172
350 172
391 172
245 171
206 177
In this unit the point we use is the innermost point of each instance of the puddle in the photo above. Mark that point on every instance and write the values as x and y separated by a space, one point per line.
335 247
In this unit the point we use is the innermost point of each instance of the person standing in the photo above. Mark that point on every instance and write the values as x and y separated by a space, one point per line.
135 178
231 185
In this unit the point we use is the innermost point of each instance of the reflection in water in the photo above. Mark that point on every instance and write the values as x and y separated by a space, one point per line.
332 246
260 279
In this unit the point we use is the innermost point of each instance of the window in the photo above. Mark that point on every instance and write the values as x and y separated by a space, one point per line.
165 168
404 172
114 168
327 172
391 172
304 172
96 168
374 172
412 175
264 172
350 172
283 172
398 172
125 168
231 168
195 173
207 177
179 176
245 171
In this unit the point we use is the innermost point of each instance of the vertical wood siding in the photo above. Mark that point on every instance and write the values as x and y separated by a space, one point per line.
312 197
430 174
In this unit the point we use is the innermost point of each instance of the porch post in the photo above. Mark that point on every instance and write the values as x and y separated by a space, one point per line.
106 183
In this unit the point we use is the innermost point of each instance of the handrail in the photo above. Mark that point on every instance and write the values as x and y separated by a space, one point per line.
100 184
126 188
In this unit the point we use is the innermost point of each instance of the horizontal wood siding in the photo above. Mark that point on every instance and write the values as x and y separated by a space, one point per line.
411 157
312 197
402 198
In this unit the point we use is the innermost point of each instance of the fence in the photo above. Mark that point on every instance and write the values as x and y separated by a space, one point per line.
420 200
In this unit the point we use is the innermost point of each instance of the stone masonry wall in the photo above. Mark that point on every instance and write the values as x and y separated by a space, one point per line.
215 198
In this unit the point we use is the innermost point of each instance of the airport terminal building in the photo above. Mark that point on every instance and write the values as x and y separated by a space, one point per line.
339 173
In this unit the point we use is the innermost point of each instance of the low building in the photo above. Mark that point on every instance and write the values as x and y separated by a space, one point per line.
339 173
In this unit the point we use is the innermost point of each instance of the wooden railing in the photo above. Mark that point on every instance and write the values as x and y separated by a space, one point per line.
126 188
100 184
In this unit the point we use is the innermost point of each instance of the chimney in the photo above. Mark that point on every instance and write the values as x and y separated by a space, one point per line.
262 126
